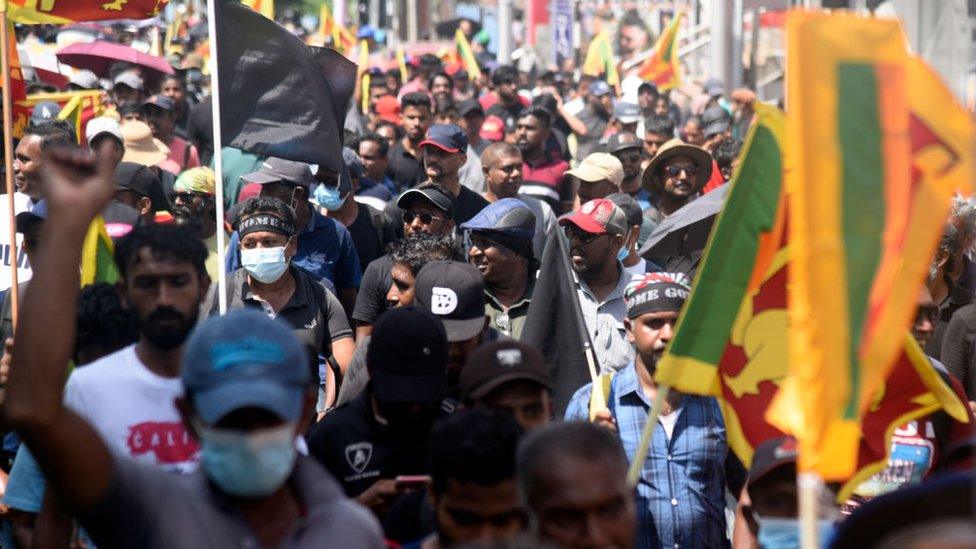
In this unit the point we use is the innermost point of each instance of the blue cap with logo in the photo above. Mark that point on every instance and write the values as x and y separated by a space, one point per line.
447 137
245 360
600 88
44 112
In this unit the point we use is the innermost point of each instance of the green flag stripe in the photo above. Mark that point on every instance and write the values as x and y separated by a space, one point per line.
863 199
724 277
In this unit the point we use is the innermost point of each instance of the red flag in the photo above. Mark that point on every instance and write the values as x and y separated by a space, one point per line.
61 12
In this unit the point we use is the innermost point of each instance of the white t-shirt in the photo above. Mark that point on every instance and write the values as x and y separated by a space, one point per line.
133 410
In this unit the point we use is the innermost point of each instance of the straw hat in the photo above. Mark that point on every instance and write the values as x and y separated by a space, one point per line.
651 179
140 145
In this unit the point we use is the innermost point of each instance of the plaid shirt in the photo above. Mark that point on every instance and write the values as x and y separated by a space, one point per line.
681 494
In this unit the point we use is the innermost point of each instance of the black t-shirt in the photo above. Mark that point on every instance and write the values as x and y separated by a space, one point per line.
404 168
366 237
358 451
509 115
371 299
199 129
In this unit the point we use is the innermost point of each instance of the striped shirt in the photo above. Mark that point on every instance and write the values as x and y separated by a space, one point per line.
681 494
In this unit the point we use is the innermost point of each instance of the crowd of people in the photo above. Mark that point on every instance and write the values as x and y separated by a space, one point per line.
369 384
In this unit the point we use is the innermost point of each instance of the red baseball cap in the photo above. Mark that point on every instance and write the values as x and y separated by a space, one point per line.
493 129
388 108
599 216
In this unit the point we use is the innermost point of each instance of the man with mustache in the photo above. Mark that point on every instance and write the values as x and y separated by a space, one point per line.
28 157
680 497
677 173
196 208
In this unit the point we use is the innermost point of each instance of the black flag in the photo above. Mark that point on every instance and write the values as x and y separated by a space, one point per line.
279 97
555 325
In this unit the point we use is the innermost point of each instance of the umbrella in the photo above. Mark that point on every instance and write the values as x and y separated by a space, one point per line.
685 231
99 56
44 63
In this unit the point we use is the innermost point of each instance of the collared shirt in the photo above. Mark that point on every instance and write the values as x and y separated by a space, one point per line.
680 496
314 314
546 180
509 320
325 251
146 507
605 323
404 168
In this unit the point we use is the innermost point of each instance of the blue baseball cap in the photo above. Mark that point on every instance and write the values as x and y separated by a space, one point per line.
242 360
37 213
366 31
44 112
600 88
508 222
447 137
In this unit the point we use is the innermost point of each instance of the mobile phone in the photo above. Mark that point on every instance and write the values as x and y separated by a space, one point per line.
412 482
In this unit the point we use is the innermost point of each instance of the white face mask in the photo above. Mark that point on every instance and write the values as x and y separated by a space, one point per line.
266 265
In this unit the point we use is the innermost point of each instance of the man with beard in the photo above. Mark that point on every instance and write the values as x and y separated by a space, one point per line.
681 496
195 207
596 234
28 157
677 173
502 165
504 101
542 171
445 152
405 168
382 433
627 148
595 117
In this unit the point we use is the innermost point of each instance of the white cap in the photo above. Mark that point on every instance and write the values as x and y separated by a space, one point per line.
101 125
85 79
129 79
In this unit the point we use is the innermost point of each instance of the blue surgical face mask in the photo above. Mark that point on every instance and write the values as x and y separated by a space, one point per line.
623 253
784 533
328 197
248 465
266 265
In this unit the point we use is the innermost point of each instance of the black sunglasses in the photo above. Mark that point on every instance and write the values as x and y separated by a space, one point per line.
573 233
675 171
425 218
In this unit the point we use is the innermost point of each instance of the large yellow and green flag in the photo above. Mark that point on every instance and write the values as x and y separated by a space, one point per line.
97 255
663 66
860 240
599 59
466 56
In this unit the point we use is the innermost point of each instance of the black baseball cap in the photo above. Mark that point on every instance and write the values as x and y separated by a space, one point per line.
407 356
470 105
629 206
493 365
159 102
141 180
622 141
771 455
435 195
454 292
274 170
37 214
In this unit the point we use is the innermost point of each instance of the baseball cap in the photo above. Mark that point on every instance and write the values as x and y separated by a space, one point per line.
365 32
647 86
469 106
630 207
244 359
447 137
407 356
434 195
388 108
493 365
140 145
276 169
103 125
84 78
770 455
508 221
141 180
599 88
598 216
493 128
713 87
129 79
160 102
599 166
37 213
626 113
622 141
44 112
454 292
715 120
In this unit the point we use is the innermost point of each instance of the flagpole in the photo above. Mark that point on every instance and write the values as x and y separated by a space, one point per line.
8 159
809 486
633 474
218 164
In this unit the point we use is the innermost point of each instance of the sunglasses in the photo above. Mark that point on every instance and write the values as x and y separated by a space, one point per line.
675 171
425 218
573 233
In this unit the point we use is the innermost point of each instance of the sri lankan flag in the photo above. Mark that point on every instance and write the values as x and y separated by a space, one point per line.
861 233
401 60
97 262
599 59
60 12
663 66
466 56
342 39
80 108
264 7
741 291
18 89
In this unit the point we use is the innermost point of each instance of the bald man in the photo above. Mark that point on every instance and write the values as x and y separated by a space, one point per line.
502 165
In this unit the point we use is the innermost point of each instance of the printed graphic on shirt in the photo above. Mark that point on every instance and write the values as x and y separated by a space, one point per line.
169 442
358 456
912 456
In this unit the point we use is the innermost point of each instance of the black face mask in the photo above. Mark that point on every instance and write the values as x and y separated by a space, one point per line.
166 337
403 419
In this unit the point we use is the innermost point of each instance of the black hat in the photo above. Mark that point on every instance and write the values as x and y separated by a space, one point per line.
454 292
37 214
630 207
407 356
495 364
435 195
715 120
771 455
274 170
469 106
622 141
142 181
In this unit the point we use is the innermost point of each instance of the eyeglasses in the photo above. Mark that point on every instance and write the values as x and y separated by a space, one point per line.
675 171
573 233
188 197
425 218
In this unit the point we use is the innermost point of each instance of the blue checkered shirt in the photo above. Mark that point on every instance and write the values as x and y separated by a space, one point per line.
681 494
